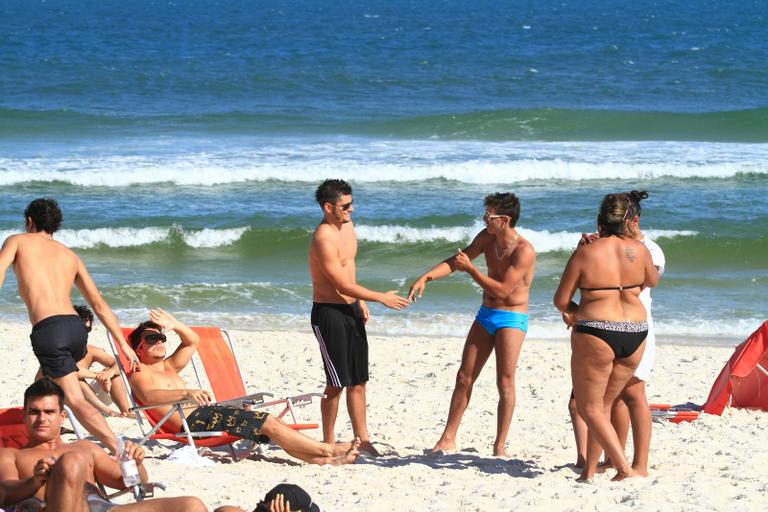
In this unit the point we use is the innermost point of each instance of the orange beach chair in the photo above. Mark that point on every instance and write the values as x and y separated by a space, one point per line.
224 377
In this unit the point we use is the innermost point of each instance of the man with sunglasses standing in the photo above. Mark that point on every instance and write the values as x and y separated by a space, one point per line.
502 321
339 310
46 270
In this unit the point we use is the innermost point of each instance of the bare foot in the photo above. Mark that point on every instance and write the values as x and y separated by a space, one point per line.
501 452
367 448
347 457
334 449
444 447
585 476
643 472
603 467
622 474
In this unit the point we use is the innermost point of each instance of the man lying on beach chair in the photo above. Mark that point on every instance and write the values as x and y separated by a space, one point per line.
157 383
52 475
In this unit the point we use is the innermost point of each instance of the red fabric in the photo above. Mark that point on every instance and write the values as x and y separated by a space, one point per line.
13 431
741 383
220 364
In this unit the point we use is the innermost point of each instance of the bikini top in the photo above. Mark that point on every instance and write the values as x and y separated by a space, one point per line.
619 288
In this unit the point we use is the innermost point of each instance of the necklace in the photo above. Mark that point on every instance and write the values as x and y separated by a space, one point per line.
506 251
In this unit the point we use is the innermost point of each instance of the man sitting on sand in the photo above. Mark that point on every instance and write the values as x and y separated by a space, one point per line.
107 380
62 477
45 271
159 382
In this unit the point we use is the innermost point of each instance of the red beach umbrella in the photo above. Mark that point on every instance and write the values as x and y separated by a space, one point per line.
743 382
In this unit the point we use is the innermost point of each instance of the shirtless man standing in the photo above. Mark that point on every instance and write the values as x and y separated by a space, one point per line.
502 321
339 312
45 271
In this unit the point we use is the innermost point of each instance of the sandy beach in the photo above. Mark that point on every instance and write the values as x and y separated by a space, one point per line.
714 463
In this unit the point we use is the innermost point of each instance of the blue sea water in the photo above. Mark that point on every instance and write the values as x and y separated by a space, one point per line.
184 141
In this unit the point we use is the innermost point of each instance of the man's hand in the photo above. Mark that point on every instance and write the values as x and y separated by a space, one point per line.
393 301
42 470
463 262
133 451
163 319
104 378
364 310
133 359
417 289
587 238
199 396
280 504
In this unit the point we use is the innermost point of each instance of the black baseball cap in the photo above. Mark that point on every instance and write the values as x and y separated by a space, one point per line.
292 493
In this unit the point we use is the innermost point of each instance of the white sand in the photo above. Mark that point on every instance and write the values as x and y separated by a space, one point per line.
714 463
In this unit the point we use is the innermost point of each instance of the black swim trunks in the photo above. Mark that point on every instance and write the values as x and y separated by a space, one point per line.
340 332
232 420
59 341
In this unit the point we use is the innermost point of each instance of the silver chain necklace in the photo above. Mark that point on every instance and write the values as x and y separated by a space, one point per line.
507 250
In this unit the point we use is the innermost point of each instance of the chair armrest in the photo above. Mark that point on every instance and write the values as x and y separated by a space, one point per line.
252 400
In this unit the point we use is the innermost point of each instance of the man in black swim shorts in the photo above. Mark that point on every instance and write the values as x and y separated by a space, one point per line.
339 311
45 271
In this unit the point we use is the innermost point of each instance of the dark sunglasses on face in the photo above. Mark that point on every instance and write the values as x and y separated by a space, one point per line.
344 207
154 338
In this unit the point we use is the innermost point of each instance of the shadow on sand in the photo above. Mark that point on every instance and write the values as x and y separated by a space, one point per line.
458 461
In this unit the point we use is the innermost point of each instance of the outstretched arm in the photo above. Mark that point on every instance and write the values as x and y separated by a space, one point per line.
87 287
328 260
7 256
447 266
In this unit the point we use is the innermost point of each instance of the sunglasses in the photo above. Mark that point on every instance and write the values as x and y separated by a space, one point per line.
344 207
153 338
487 216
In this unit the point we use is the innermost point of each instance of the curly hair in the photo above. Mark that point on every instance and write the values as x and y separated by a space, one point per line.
331 190
45 214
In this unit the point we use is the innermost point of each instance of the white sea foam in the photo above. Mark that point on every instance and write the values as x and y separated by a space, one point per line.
135 237
543 241
399 161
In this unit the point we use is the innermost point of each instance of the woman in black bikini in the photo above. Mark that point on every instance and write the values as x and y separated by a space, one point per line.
609 325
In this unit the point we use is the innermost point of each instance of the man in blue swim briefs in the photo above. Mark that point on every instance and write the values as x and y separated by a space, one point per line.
45 271
502 321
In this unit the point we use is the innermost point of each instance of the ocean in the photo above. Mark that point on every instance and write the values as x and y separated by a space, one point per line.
184 141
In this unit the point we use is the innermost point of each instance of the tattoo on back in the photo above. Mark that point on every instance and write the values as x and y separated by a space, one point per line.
629 252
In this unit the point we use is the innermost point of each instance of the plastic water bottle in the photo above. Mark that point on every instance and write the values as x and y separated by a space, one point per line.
128 467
